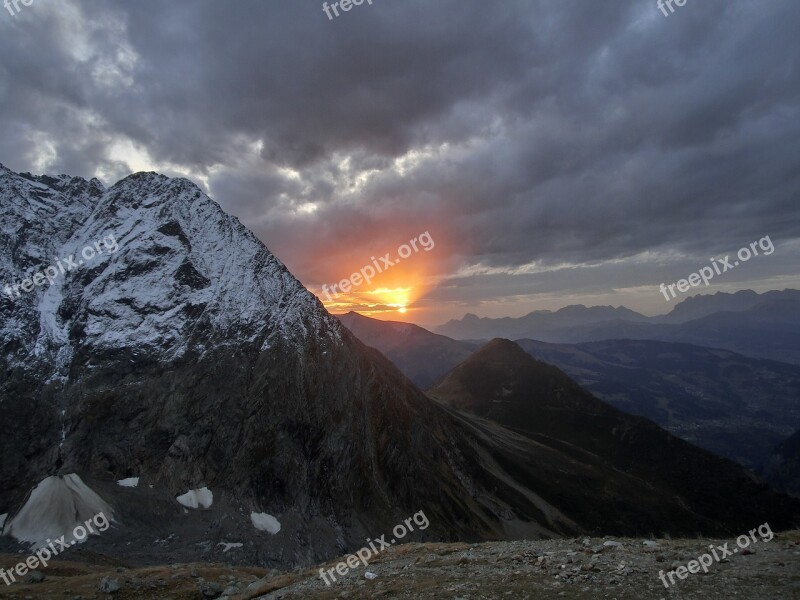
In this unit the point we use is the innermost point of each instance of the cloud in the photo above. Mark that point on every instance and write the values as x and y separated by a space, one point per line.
525 133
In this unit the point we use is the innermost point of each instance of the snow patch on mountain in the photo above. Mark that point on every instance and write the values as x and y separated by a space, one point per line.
199 498
53 509
265 522
130 482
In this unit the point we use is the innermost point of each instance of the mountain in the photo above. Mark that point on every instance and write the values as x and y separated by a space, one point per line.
766 327
536 323
172 369
186 355
732 405
422 356
503 384
770 330
702 305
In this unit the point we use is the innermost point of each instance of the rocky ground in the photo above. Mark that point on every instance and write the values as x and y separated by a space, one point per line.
539 570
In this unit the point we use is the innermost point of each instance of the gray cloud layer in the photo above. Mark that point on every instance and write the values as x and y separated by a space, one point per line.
534 133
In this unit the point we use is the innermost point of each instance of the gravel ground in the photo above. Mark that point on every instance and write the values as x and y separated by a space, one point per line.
569 569
614 568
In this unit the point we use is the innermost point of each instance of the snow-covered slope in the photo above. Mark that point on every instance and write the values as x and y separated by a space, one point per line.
180 259
38 217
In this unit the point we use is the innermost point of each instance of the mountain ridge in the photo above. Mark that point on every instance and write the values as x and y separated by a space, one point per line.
733 405
502 383
766 325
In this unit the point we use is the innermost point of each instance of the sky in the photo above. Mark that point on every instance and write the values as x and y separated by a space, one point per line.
548 152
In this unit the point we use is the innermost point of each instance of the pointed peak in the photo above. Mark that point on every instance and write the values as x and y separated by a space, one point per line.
504 346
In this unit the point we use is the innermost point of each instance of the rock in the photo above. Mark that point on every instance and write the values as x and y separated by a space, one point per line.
210 590
109 585
255 585
650 545
611 544
370 575
35 577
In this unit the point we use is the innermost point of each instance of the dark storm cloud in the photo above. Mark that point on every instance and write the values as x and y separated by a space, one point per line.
549 132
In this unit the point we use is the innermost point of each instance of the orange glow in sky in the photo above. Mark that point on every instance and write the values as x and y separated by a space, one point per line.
390 294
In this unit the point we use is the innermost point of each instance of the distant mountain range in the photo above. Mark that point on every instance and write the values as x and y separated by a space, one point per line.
732 405
702 305
758 325
540 322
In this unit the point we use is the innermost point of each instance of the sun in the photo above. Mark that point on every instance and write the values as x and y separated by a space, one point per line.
402 310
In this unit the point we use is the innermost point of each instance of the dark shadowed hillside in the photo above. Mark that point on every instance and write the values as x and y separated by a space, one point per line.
783 470
421 355
735 406
503 384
